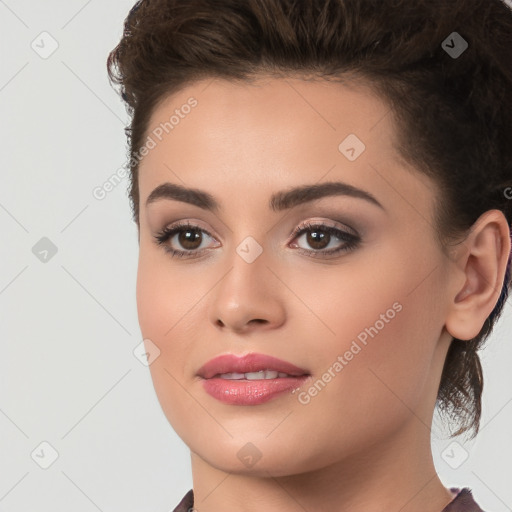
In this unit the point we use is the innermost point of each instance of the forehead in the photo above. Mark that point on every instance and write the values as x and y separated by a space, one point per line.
273 110
218 134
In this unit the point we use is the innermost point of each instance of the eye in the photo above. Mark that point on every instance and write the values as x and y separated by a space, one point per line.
187 235
319 236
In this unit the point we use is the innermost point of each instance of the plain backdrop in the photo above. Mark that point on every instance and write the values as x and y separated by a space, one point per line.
81 428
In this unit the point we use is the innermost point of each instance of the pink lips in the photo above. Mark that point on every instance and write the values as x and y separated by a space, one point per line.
244 391
253 362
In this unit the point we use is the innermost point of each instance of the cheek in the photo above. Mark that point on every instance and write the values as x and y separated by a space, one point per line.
166 298
151 301
162 305
382 316
372 299
387 329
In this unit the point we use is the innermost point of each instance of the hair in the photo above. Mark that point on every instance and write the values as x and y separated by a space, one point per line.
453 113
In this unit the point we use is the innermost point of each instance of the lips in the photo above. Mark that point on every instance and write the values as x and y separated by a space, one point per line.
253 362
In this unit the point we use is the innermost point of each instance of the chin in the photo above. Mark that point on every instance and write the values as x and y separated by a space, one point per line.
260 459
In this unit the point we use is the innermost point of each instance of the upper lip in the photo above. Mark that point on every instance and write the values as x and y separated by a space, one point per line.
253 362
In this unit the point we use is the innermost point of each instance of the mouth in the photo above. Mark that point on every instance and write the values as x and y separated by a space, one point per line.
252 379
250 366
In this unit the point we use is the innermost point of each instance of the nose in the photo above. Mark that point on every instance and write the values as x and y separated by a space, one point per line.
248 297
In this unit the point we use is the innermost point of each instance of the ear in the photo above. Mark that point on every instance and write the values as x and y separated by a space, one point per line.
481 266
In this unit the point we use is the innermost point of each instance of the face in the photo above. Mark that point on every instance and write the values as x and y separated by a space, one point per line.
350 288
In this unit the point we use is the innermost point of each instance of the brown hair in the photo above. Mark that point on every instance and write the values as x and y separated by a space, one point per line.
453 113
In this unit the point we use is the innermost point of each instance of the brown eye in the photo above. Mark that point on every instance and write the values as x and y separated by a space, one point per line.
190 239
319 236
318 239
185 236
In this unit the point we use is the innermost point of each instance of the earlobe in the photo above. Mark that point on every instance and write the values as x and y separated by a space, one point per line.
484 263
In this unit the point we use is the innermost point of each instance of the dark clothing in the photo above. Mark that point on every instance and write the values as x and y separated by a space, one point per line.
462 502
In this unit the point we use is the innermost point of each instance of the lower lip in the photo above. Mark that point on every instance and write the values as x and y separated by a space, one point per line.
250 392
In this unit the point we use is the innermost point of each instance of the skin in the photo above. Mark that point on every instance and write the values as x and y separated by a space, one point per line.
363 442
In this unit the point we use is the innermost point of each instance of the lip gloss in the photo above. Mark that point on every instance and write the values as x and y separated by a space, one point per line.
250 392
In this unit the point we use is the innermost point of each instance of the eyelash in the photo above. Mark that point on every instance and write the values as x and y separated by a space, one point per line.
351 240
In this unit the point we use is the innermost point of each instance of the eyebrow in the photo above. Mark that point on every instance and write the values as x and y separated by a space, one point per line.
282 200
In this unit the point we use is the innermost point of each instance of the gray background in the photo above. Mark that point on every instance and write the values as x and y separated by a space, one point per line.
68 321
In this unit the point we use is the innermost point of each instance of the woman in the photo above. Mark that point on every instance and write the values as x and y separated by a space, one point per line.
322 192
